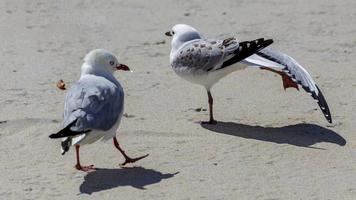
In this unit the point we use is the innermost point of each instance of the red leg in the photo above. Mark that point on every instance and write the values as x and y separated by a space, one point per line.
78 166
127 158
287 81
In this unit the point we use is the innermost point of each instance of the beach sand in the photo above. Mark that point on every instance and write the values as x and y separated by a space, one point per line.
268 144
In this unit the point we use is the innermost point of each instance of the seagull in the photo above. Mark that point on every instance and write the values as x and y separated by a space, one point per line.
94 106
205 61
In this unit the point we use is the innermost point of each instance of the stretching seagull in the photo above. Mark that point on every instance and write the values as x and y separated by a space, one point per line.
206 61
94 106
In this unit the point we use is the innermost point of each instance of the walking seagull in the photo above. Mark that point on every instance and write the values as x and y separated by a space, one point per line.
94 106
206 61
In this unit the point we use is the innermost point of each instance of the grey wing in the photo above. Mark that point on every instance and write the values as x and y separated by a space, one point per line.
204 55
96 104
273 59
287 64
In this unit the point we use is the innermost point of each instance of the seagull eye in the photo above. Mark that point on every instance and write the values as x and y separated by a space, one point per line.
112 62
172 32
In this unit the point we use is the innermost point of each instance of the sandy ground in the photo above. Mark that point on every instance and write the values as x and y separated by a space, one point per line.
269 144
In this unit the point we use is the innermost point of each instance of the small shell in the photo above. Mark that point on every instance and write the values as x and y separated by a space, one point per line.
61 85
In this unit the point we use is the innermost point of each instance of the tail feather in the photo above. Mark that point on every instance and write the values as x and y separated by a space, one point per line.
66 132
65 144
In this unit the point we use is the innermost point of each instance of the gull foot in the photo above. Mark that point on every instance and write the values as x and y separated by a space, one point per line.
85 168
132 160
212 121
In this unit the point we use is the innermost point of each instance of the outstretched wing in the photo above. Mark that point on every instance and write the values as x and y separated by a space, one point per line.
288 67
95 102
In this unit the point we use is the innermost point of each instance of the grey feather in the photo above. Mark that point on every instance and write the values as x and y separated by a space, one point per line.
96 102
291 67
203 55
296 72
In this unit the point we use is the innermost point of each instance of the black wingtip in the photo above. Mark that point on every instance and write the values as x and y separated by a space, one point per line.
52 136
61 133
246 49
66 132
322 104
263 44
268 42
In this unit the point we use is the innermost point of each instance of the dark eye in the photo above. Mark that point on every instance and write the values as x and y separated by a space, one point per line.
112 62
172 32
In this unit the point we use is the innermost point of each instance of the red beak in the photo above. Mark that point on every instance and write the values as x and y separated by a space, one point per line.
122 67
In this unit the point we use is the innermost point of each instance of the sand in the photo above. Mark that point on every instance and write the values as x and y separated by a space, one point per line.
268 144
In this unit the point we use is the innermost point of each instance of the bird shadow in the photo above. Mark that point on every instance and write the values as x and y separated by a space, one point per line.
105 179
301 135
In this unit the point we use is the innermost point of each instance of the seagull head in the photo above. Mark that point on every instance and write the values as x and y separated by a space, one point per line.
100 60
182 33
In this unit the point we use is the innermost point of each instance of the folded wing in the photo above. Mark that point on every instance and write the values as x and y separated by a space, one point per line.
204 55
95 102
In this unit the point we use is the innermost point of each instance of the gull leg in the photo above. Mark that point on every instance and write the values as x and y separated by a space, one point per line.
78 166
127 158
210 100
287 81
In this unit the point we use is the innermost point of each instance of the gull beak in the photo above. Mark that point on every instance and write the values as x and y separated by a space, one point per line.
168 33
122 67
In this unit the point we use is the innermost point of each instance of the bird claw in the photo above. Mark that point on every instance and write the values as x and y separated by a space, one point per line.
85 168
132 160
211 122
